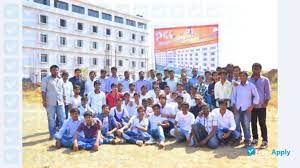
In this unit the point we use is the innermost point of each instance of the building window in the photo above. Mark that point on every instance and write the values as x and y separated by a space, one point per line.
62 41
44 58
106 16
79 60
93 13
204 64
119 19
212 59
107 47
133 64
120 48
131 22
212 65
132 50
61 5
79 26
132 36
78 9
94 61
94 44
204 59
120 34
43 38
62 59
212 53
43 73
43 19
79 43
107 32
94 29
120 63
142 51
205 54
44 2
142 64
107 62
142 38
142 25
62 23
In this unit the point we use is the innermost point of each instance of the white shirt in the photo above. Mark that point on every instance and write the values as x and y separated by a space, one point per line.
89 86
119 114
225 121
82 109
168 110
68 91
135 121
223 91
143 97
153 120
131 109
208 122
69 128
172 84
105 123
96 101
76 101
186 97
185 121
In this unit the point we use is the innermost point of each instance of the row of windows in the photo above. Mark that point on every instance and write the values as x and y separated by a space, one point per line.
204 64
196 59
43 19
94 44
198 49
80 61
93 13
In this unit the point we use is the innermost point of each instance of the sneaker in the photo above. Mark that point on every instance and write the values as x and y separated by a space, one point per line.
161 145
150 141
254 142
264 145
139 142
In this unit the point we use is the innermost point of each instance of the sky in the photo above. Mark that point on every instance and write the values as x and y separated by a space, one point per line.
247 29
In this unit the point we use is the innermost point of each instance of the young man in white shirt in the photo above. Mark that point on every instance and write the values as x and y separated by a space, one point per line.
64 137
89 83
137 128
76 99
103 80
226 131
186 97
204 129
97 98
168 112
183 124
223 88
68 87
129 105
84 107
157 123
171 82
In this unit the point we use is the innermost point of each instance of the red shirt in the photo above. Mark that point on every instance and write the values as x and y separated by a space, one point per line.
112 100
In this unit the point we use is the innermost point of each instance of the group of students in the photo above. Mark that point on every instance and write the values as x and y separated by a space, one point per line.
202 110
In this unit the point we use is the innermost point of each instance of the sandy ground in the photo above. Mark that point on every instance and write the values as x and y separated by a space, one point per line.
38 151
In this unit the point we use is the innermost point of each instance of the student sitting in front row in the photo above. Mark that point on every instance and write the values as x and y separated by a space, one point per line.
84 107
183 124
205 128
109 125
91 128
157 122
65 135
120 113
138 126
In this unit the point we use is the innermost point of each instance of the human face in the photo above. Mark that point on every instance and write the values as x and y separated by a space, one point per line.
136 97
77 73
185 109
74 116
179 88
162 101
216 77
179 100
256 71
223 107
97 87
77 91
54 72
144 90
152 74
157 91
167 90
92 76
198 101
192 90
65 77
127 75
127 97
120 87
141 113
88 120
114 89
243 78
207 76
84 102
114 72
150 102
145 103
132 88
194 72
223 76
156 111
171 75
236 72
205 110
105 110
141 75
103 74
119 102
159 77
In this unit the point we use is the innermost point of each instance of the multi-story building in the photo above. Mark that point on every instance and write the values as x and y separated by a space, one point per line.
75 34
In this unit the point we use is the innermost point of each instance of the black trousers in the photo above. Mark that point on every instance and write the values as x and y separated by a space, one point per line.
260 115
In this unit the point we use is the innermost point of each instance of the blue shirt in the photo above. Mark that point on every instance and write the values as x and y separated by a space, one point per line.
103 84
111 80
244 95
125 83
140 83
193 81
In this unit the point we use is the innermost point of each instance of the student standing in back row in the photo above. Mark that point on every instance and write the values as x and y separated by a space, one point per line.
223 88
77 80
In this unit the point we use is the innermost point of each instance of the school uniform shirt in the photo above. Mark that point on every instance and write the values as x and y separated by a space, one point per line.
69 128
96 101
139 83
223 91
125 83
143 97
149 112
186 97
119 114
185 121
193 81
130 108
153 120
135 121
169 99
172 84
68 87
76 101
108 122
208 122
89 86
225 121
90 131
168 110
54 89
104 84
111 80
84 109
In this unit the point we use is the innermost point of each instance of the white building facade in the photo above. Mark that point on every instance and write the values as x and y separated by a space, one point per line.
74 34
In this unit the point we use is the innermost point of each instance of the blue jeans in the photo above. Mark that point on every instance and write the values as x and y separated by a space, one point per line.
107 139
183 135
243 118
132 137
234 134
67 108
65 141
157 133
87 143
213 142
52 111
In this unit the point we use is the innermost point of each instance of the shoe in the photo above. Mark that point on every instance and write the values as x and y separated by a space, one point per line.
139 142
254 142
236 142
247 144
150 141
161 145
264 145
113 141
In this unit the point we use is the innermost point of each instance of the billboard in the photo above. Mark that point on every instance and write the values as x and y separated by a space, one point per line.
186 48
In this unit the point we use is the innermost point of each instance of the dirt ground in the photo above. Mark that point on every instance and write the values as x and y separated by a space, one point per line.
38 151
